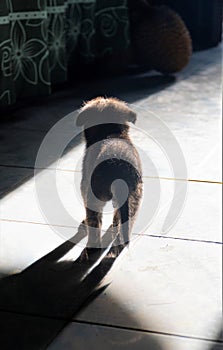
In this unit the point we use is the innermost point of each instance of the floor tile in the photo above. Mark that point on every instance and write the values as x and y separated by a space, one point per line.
42 114
77 335
19 147
26 332
200 216
12 177
165 286
55 205
192 114
23 244
197 136
44 275
62 204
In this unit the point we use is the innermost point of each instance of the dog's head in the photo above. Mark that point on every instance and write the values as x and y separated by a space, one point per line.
103 111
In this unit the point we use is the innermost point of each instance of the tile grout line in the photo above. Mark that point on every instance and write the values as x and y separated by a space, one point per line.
36 223
206 181
108 326
146 331
144 176
134 234
178 238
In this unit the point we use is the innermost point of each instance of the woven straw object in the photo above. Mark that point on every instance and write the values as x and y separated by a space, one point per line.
161 40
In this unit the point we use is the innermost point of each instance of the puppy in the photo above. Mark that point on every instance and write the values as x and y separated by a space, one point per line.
111 168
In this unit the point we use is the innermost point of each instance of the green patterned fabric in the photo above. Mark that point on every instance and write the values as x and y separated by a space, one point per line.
38 38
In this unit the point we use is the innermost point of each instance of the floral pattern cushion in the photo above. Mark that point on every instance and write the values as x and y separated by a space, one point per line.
38 38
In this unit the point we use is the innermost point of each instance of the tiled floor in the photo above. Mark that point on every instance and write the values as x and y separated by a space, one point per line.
163 292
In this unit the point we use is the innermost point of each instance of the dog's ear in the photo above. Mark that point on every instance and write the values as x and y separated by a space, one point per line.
81 118
132 117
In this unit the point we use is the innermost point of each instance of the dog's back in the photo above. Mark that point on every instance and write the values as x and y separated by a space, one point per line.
114 159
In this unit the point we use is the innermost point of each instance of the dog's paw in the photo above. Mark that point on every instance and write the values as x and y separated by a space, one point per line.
94 243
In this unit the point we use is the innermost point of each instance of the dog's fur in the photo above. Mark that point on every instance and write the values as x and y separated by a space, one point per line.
110 155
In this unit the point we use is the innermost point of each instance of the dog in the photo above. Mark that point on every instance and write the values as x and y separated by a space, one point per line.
111 168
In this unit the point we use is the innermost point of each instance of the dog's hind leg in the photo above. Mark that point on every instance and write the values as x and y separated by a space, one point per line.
122 222
127 214
113 229
94 222
125 222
